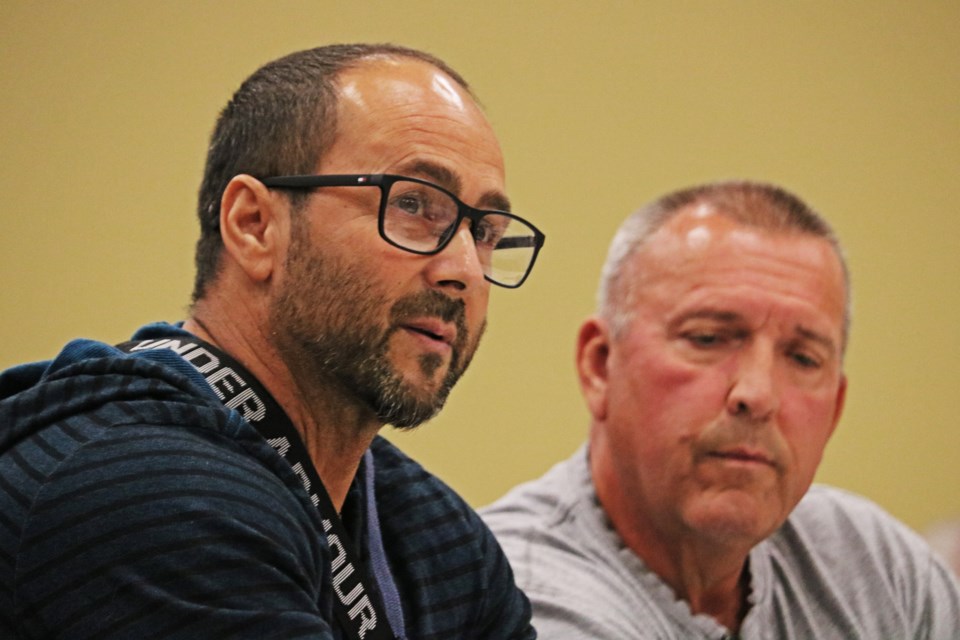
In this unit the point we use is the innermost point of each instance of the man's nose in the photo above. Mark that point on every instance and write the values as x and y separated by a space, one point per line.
458 265
753 391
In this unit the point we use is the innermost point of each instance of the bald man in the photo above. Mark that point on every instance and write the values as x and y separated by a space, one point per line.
224 477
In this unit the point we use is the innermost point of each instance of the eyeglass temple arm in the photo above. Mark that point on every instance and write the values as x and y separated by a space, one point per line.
516 242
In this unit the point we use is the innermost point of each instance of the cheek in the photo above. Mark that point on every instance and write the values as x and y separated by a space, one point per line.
670 390
661 404
807 423
476 312
477 303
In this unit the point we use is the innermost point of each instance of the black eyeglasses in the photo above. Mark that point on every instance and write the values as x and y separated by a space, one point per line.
421 217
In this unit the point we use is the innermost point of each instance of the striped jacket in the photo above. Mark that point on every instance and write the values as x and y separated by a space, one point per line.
134 505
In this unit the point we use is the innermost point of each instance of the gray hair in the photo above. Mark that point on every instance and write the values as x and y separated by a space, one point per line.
753 204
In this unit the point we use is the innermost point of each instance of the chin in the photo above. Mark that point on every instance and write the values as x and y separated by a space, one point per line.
422 389
412 403
736 518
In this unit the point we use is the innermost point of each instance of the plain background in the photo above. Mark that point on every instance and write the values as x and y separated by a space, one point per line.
106 108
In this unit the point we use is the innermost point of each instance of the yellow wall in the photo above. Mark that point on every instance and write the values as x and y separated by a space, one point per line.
105 108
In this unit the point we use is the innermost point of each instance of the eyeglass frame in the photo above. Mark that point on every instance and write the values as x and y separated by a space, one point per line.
384 181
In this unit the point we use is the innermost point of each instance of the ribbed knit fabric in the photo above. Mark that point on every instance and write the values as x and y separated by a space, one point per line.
134 505
840 568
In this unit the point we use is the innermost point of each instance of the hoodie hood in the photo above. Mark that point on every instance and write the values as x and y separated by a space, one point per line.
87 374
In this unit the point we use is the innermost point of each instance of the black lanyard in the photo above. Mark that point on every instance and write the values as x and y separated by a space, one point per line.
359 609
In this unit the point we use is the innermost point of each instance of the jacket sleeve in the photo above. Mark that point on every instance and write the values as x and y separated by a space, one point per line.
452 575
155 531
506 609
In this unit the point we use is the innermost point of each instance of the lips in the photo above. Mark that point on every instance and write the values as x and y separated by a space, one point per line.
433 328
744 454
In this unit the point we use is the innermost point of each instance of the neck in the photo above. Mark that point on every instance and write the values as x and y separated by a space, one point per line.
712 581
711 575
712 589
335 434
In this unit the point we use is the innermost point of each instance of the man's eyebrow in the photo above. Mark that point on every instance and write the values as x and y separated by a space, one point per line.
819 338
731 317
494 200
714 315
450 181
436 173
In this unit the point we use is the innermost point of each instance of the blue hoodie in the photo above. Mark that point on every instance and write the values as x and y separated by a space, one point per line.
133 504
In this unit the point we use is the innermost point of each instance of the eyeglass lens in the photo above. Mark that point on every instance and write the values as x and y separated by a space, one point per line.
420 218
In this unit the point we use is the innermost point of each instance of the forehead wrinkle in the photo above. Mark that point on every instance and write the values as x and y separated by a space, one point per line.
709 314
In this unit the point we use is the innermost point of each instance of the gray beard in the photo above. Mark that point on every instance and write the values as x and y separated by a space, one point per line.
366 370
321 325
355 357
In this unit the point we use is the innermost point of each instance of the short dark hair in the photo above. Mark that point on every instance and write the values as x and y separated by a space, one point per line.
279 122
754 204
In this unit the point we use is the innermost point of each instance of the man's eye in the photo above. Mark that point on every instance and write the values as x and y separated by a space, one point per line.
704 339
409 203
487 234
805 361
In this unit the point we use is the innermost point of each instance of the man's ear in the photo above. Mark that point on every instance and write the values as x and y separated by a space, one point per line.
593 352
250 226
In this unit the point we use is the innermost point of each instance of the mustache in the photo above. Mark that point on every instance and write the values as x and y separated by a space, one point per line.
736 434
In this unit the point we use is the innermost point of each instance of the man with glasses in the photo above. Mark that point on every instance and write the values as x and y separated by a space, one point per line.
713 375
223 477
